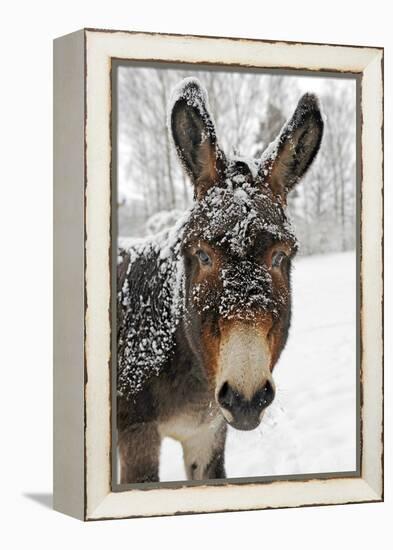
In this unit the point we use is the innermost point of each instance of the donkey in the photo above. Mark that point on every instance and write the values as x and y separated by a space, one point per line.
204 308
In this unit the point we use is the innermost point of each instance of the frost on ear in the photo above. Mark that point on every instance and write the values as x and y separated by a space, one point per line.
288 158
194 135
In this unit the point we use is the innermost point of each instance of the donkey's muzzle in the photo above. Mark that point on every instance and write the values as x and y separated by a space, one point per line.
242 413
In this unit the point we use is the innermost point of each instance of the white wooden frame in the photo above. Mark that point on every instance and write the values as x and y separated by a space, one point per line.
82 173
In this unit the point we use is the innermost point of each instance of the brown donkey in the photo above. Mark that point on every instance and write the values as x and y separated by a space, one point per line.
204 308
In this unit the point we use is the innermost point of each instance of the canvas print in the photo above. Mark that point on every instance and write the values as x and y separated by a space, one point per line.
235 208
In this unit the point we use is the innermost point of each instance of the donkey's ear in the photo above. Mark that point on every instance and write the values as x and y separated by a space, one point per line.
195 137
290 156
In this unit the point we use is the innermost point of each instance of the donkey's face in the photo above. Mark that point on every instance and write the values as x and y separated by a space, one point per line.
237 248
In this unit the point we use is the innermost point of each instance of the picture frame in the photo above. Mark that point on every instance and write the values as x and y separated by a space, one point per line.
83 275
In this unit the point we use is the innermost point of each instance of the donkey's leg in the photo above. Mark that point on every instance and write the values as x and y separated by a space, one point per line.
204 452
139 451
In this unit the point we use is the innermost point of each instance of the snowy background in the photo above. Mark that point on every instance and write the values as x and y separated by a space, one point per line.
311 425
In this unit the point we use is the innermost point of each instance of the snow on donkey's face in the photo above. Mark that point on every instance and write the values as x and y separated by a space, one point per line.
237 248
237 242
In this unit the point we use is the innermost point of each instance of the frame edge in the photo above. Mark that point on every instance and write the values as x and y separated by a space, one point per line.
369 487
68 288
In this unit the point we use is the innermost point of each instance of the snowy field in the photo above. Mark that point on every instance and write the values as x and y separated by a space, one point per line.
311 425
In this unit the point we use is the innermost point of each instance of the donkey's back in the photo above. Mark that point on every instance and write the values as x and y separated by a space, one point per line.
148 306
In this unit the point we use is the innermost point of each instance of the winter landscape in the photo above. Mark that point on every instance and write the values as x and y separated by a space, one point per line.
311 425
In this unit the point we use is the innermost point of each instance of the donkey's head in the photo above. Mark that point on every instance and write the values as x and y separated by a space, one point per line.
237 248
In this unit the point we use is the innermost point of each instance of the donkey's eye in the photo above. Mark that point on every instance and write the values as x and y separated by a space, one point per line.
203 257
278 258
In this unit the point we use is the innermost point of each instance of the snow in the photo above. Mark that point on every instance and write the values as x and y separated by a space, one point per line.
195 94
191 90
151 306
244 211
164 219
252 163
311 425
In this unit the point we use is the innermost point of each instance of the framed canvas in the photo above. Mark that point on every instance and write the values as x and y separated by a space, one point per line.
218 330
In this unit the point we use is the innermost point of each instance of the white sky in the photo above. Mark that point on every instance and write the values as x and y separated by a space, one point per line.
316 83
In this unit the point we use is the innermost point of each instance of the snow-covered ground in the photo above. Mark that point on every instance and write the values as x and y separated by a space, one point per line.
311 425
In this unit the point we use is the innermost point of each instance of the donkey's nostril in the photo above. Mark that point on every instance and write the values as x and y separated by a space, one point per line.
264 396
245 414
269 391
225 396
